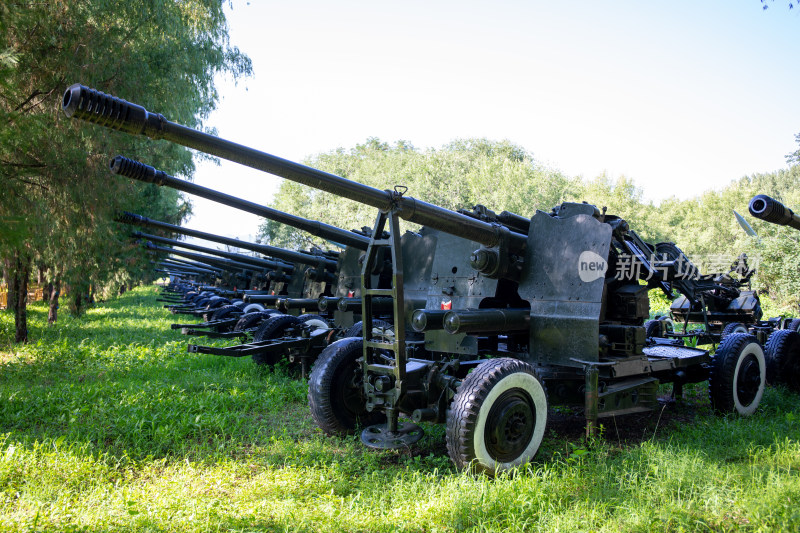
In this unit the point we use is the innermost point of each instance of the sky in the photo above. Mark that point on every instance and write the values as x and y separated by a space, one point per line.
680 96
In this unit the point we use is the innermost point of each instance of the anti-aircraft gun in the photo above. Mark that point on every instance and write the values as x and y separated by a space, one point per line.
208 303
318 266
330 283
783 346
212 275
722 303
345 283
507 310
284 278
245 268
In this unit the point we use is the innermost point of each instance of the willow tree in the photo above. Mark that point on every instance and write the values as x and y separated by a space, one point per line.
58 202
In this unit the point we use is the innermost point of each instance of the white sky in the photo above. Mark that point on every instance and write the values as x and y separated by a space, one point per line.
680 96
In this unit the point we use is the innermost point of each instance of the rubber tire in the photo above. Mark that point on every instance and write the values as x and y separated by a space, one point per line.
335 391
783 358
224 312
475 401
251 320
270 329
726 363
733 327
793 324
652 328
221 313
216 302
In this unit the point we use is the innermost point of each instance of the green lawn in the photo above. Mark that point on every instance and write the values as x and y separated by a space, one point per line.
107 424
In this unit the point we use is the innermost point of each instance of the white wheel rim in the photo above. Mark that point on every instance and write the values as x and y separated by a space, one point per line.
531 385
253 308
317 324
751 349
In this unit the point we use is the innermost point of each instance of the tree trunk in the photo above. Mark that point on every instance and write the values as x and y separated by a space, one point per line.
21 272
47 291
52 314
8 271
76 307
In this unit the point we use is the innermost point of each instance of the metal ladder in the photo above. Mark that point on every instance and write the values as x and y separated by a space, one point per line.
372 345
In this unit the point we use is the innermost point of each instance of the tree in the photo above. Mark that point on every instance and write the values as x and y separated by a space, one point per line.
54 172
500 175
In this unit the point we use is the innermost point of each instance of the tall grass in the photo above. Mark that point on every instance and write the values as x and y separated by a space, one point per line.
107 424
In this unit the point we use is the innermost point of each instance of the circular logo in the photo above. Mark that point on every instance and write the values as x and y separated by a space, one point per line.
591 266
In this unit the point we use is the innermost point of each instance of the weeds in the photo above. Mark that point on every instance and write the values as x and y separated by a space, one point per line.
107 424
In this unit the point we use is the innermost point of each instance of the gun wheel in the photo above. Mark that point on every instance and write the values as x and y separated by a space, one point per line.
336 392
252 319
782 354
498 416
658 327
224 312
272 328
652 328
793 324
738 374
733 327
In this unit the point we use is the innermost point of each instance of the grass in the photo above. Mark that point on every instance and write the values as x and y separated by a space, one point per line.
107 424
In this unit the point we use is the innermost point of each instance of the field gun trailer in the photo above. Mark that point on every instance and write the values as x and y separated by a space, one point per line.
783 346
505 319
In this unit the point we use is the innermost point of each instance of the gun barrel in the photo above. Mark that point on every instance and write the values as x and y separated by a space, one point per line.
272 251
170 264
94 106
225 264
770 210
256 262
487 320
139 171
194 264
